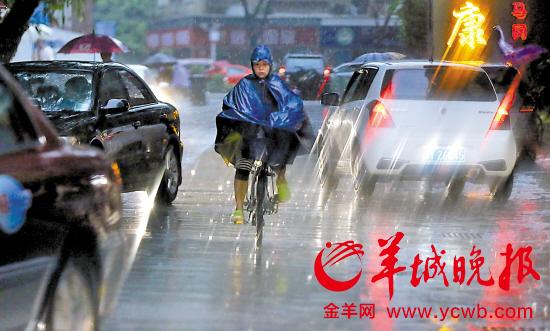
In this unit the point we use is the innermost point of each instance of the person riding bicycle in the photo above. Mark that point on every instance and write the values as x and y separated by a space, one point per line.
261 119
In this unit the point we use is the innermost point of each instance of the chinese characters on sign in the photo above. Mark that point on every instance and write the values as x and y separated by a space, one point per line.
349 310
468 27
426 268
519 29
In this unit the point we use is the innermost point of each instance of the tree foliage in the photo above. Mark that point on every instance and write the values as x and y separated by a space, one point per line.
415 16
252 17
15 23
537 88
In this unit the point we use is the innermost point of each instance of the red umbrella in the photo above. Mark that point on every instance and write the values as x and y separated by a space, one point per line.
94 43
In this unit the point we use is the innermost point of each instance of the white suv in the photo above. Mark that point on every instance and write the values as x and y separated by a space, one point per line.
417 121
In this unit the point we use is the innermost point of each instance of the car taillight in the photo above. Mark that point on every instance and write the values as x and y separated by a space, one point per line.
116 173
501 121
380 117
326 72
282 71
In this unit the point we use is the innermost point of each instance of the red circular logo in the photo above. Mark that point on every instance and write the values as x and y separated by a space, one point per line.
339 252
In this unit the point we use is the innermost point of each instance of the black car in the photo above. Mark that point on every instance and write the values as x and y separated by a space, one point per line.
63 254
305 73
110 107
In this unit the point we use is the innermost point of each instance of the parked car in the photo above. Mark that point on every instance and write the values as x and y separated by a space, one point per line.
63 250
420 121
108 106
305 73
339 77
232 73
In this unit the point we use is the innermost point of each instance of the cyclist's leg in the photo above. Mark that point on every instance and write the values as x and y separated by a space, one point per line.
279 154
282 185
242 172
240 186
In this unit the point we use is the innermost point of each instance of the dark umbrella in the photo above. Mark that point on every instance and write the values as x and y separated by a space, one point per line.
160 59
94 43
377 57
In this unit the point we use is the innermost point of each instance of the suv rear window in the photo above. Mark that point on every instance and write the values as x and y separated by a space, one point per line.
433 83
296 63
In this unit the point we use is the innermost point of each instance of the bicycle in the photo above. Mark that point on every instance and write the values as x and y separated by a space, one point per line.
261 198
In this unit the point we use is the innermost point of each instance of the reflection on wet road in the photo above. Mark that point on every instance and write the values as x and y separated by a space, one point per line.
194 270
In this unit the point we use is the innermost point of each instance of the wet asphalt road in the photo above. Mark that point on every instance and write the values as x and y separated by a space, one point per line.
194 270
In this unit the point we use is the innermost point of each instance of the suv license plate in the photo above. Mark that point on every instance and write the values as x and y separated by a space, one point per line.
448 155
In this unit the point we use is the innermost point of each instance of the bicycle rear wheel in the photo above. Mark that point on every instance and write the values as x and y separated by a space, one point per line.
261 187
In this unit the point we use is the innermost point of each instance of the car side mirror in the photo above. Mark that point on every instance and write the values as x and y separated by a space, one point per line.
330 99
115 106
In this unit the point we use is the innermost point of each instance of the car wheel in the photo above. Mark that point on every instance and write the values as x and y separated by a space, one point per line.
501 191
455 188
72 306
364 182
326 168
168 189
317 146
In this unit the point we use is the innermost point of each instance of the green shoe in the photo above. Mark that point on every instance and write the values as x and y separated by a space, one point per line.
284 192
237 216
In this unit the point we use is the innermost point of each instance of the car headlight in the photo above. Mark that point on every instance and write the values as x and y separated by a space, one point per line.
70 140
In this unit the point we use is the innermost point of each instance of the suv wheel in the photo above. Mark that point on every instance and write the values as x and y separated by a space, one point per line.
364 182
326 168
455 188
501 191
168 189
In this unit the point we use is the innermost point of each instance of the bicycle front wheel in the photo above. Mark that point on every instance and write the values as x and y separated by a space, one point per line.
261 187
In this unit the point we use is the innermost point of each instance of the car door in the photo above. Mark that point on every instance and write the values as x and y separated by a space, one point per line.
151 116
121 134
352 103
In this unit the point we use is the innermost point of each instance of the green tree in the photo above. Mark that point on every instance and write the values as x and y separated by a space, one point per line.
255 17
537 88
16 22
415 19
132 19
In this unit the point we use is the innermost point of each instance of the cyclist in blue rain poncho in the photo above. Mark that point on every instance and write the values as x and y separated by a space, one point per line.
262 119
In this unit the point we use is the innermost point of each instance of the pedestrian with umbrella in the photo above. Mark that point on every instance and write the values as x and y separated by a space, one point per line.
95 43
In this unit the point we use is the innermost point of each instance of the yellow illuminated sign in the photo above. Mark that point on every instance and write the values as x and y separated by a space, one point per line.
468 27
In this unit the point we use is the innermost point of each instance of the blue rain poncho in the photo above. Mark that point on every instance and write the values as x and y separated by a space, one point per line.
246 111
244 114
244 103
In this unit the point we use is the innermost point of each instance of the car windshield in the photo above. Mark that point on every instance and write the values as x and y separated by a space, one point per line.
433 83
294 64
69 91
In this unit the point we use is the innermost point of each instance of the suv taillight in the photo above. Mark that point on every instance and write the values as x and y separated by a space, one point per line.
326 72
282 71
501 121
380 117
